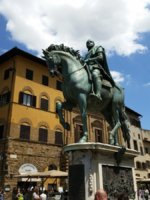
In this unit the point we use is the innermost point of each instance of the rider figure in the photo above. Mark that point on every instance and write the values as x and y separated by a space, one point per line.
97 64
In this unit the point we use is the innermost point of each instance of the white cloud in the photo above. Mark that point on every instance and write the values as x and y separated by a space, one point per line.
147 84
114 24
3 51
117 76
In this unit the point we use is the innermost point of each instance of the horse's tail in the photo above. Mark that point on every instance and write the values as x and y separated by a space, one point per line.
119 88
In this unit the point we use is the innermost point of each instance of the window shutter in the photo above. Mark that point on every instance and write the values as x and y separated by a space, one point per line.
6 74
1 131
29 74
45 80
8 97
34 101
25 132
21 97
44 104
43 133
58 138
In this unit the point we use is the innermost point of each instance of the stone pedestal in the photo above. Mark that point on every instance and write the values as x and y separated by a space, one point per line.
94 165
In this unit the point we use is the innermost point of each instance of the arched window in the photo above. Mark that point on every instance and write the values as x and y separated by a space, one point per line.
44 103
58 137
26 98
25 131
43 134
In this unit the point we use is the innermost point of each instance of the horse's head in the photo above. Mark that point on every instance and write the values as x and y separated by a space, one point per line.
53 61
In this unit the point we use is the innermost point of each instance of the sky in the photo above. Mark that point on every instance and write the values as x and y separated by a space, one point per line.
122 27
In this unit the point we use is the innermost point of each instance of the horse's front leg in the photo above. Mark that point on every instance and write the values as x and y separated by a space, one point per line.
59 110
82 102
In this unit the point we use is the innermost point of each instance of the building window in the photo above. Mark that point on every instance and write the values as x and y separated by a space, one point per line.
139 136
25 132
148 163
43 133
146 149
135 145
6 74
78 132
98 135
27 99
45 80
144 165
141 150
1 131
137 175
58 138
138 165
52 167
44 104
59 85
29 74
4 98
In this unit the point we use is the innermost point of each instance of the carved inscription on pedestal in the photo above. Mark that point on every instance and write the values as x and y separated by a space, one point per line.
76 182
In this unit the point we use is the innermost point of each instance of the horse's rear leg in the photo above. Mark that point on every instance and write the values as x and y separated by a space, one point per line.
125 126
82 102
113 137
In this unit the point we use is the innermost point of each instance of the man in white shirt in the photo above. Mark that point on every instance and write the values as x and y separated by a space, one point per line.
43 196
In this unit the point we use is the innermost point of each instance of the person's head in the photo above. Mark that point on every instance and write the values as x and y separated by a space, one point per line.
123 196
90 44
36 189
100 195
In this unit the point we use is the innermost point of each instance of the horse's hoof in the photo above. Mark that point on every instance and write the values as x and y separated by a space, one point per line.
111 141
83 139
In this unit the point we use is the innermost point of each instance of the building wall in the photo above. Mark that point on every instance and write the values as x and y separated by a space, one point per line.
14 151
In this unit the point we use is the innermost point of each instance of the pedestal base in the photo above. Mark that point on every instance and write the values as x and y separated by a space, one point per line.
93 166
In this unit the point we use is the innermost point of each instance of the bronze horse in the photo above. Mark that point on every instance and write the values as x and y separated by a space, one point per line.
67 63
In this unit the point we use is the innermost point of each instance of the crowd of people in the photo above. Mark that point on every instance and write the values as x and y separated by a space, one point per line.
35 193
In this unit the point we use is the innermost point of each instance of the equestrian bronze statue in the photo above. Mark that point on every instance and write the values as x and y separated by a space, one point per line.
81 89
